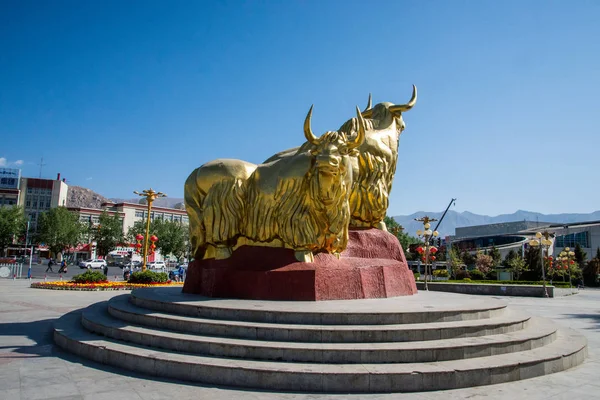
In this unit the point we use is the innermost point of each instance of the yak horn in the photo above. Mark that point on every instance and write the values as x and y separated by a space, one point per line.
360 137
307 131
369 103
368 112
407 106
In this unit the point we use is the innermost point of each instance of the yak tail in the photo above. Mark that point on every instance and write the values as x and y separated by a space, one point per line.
224 212
194 200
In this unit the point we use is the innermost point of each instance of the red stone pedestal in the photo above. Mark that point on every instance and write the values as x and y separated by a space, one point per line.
373 266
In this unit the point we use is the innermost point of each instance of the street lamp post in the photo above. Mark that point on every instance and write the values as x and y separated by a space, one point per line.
150 195
427 235
566 257
543 239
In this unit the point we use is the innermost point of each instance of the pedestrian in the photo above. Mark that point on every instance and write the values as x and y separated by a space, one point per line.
181 272
63 267
106 270
50 264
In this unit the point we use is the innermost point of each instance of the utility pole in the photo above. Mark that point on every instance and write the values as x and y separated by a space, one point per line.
41 164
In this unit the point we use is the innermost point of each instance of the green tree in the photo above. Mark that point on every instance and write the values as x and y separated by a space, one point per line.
517 265
108 234
173 237
468 258
396 229
12 223
495 254
511 254
532 261
580 255
455 263
592 270
59 229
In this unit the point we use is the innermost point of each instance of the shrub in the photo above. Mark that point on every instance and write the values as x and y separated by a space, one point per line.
467 280
461 275
442 273
493 275
477 275
148 277
90 277
417 275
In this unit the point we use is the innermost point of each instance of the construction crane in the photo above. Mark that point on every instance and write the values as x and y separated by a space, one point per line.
453 201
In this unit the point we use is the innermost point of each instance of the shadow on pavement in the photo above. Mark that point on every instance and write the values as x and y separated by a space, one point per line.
39 332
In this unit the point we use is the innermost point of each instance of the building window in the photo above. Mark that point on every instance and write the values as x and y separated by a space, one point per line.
48 204
572 240
28 204
139 214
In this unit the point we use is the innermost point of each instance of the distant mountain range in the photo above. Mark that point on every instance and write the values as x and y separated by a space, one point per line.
160 202
455 219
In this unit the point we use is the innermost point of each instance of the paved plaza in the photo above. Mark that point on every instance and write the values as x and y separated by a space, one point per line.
31 367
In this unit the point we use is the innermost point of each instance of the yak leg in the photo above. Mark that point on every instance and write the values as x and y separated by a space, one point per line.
304 256
222 253
218 253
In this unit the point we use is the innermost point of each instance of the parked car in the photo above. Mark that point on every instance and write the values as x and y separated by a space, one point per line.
157 265
131 265
92 263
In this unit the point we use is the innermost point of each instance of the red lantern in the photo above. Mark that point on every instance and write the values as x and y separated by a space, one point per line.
419 250
138 245
153 238
572 262
139 236
152 246
432 258
552 258
433 250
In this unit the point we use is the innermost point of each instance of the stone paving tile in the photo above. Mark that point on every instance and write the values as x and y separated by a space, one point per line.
10 394
55 391
125 394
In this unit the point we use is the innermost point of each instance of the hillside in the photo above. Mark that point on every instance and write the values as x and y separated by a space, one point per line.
78 196
170 202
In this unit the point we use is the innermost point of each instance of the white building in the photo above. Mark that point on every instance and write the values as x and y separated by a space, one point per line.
129 214
39 195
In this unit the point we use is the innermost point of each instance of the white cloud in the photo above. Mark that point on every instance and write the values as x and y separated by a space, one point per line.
5 163
88 178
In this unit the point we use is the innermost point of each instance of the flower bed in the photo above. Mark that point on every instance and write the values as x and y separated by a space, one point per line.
70 285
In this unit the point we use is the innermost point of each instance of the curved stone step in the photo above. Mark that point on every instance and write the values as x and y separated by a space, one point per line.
395 310
539 333
568 350
120 308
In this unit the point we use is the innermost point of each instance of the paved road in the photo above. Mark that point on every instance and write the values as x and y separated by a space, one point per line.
31 367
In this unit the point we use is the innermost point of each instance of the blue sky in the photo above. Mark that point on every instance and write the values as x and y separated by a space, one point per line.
122 96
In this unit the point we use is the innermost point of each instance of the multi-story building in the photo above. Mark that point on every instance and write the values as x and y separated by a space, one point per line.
39 195
516 236
129 213
10 179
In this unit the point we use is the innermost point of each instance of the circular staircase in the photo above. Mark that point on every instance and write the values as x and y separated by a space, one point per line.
430 341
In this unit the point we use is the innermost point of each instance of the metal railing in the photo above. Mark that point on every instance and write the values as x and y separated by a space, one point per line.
15 270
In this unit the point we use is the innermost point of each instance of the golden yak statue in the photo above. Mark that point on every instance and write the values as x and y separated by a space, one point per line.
304 198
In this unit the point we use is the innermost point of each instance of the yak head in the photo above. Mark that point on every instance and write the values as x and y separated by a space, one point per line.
330 155
384 114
